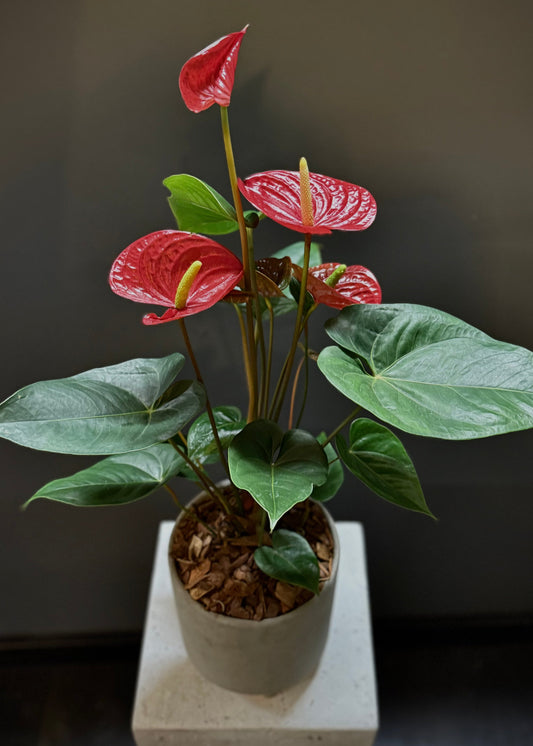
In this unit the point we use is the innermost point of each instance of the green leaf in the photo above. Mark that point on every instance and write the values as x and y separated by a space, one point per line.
252 218
198 208
280 306
290 559
201 443
278 469
117 479
377 457
335 478
428 373
109 410
295 252
294 289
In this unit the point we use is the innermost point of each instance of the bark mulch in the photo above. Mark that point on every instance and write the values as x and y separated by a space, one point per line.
219 570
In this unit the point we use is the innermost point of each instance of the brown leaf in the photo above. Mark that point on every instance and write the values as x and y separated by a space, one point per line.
195 547
240 560
245 541
265 286
235 588
243 573
200 590
276 270
236 610
322 551
286 594
198 573
216 578
324 570
206 543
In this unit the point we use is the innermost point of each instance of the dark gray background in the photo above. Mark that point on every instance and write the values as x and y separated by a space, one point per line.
427 104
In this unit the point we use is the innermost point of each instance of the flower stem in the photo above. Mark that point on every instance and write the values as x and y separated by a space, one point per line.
208 406
266 388
306 376
287 368
294 387
247 262
258 314
245 351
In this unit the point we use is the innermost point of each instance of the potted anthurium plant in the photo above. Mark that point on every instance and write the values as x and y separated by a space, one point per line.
254 558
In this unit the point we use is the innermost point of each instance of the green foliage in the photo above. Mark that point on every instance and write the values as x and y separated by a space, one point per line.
290 559
278 469
378 458
198 208
117 479
322 493
201 443
295 252
124 407
429 373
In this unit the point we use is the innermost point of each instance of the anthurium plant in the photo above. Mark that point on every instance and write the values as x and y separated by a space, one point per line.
411 367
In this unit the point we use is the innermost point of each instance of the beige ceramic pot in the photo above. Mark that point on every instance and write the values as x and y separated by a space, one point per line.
252 657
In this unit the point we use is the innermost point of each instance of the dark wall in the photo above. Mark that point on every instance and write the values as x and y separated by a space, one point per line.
426 104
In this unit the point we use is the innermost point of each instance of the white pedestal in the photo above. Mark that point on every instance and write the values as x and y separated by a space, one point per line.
176 706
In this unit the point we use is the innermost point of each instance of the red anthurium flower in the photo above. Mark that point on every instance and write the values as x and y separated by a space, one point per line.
355 285
207 78
185 272
335 204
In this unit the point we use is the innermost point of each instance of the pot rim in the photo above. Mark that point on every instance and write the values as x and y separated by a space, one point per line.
224 620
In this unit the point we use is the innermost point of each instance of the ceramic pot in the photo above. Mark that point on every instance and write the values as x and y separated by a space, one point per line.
256 657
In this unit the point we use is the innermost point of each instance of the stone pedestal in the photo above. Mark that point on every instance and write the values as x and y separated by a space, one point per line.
176 706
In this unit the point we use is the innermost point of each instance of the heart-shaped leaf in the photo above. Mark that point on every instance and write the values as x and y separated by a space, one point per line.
107 410
429 373
295 252
278 469
335 478
198 208
265 286
201 443
117 479
290 559
377 457
294 289
276 269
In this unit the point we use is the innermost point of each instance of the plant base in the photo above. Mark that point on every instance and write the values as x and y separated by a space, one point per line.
175 705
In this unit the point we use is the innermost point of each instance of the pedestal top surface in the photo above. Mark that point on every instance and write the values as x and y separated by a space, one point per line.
172 697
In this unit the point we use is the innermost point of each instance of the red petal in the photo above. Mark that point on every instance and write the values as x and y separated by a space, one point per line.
357 285
336 204
150 269
207 78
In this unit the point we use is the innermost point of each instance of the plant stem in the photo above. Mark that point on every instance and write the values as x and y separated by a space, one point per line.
293 393
245 350
208 407
339 427
248 266
261 527
306 375
188 510
287 368
204 480
264 403
258 314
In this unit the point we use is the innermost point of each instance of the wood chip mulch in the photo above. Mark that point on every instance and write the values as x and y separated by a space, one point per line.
219 570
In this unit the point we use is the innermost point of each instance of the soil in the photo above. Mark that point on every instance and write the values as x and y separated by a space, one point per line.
219 570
